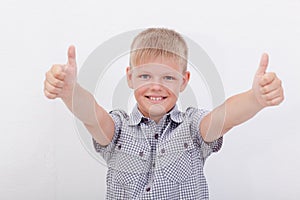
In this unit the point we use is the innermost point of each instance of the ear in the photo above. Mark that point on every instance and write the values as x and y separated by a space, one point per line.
129 77
185 80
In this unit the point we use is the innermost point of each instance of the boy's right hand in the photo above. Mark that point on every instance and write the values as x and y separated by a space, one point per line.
61 78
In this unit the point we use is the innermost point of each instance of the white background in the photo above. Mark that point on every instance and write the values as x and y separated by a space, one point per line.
41 156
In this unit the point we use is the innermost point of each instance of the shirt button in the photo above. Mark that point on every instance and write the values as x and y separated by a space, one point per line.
153 164
148 189
163 151
141 154
186 145
156 136
119 147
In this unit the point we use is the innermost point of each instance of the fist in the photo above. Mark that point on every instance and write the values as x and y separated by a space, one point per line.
267 86
61 78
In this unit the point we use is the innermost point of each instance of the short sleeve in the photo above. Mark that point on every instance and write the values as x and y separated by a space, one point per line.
106 152
196 115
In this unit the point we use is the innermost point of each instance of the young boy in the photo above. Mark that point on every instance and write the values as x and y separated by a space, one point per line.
158 152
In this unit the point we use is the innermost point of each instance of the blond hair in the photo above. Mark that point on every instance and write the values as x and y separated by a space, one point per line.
158 42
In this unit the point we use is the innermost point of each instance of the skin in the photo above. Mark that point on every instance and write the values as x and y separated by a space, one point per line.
157 85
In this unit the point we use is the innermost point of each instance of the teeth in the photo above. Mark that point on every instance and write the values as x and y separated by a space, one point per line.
156 98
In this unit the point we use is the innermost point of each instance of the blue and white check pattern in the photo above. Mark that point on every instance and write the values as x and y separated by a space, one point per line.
157 161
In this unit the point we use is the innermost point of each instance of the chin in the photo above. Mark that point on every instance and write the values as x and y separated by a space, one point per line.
157 110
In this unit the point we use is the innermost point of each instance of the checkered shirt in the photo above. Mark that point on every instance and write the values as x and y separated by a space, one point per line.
157 161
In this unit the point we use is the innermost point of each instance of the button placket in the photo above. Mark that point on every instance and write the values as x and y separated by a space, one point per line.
141 153
186 145
119 147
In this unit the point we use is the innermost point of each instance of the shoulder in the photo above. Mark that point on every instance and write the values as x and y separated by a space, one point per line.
119 115
192 112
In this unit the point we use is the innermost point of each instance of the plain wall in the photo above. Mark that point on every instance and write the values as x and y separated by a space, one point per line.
41 154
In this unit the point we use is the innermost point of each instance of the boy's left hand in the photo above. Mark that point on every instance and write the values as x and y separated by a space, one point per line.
266 86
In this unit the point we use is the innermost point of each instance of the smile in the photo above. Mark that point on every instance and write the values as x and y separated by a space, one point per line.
156 99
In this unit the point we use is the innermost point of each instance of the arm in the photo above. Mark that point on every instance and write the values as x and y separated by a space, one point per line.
266 91
61 83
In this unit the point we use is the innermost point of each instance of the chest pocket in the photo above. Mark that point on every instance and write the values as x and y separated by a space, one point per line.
175 160
129 162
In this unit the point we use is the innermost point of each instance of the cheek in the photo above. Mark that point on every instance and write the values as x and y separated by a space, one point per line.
140 85
139 91
173 89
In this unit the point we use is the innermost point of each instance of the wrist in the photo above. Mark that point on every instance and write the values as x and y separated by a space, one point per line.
256 103
68 95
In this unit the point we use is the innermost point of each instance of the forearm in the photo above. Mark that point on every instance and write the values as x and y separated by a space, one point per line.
84 106
240 108
234 111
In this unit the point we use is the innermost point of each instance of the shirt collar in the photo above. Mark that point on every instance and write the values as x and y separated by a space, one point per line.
176 115
136 116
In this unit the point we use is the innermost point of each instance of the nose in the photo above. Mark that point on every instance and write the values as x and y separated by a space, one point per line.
155 86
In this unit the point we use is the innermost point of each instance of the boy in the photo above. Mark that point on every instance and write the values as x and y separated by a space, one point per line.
158 152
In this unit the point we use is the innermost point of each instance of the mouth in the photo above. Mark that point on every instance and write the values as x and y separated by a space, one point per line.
156 99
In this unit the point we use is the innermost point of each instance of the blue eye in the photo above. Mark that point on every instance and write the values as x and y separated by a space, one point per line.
144 76
169 78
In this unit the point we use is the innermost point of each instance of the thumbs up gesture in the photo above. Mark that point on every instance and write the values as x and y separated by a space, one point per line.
61 78
266 85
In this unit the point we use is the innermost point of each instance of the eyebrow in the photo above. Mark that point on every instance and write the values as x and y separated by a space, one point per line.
142 71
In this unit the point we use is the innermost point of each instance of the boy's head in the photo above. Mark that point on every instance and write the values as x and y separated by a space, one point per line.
158 42
158 70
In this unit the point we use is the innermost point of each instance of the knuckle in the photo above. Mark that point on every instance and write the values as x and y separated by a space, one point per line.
56 70
56 83
50 88
264 89
48 95
265 79
267 97
271 75
276 102
57 74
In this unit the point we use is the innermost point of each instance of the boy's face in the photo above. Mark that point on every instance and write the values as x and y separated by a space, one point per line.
157 85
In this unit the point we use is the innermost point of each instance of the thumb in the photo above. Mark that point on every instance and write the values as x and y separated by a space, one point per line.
71 56
264 61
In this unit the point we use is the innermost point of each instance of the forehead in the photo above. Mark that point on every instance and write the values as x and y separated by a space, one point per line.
160 64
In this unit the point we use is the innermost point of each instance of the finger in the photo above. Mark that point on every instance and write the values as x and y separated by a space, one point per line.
57 72
54 81
71 56
267 78
273 94
52 89
49 95
275 84
264 61
276 101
